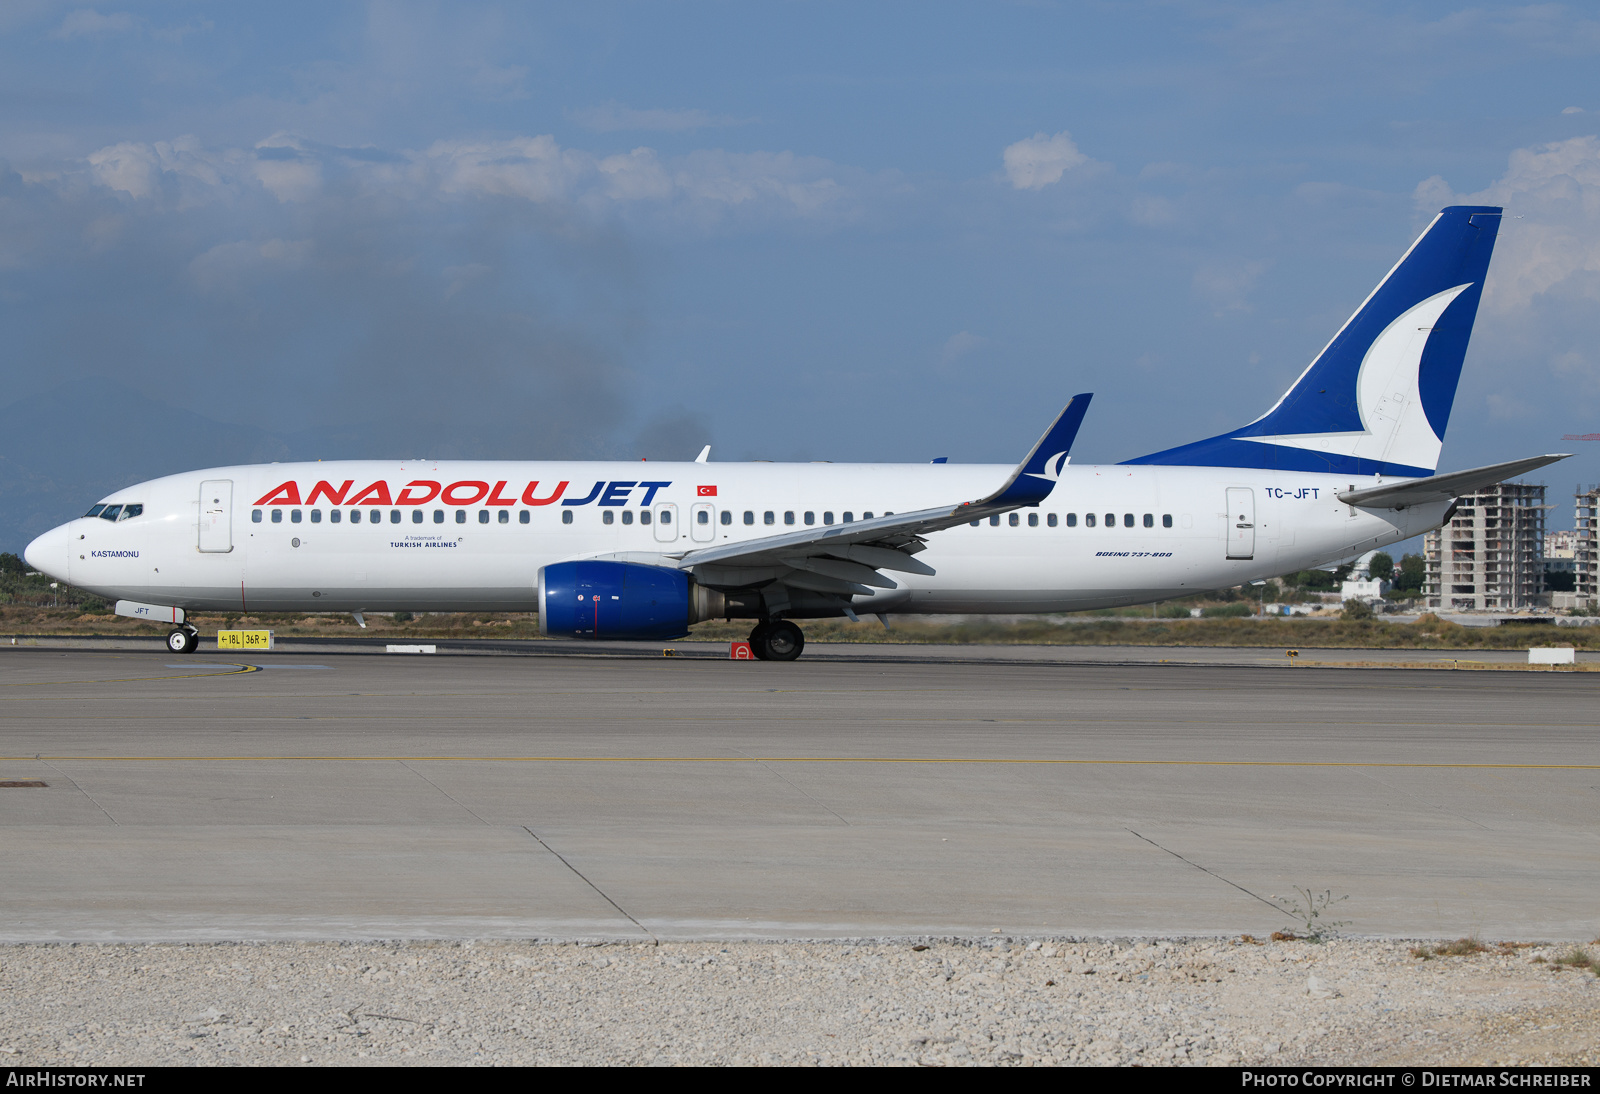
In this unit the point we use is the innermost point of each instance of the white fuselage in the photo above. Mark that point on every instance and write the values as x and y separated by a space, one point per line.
472 536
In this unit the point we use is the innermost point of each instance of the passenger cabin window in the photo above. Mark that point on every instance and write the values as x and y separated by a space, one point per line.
769 517
1149 520
1127 520
1033 520
483 516
416 516
316 516
727 517
355 516
505 516
1072 520
294 516
1166 520
703 517
848 516
994 521
664 518
277 516
1050 520
438 516
1088 520
607 517
866 516
644 516
749 516
976 523
394 516
461 516
522 516
1013 519
255 516
334 516
566 516
810 517
1111 520
94 510
375 516
110 512
827 517
627 516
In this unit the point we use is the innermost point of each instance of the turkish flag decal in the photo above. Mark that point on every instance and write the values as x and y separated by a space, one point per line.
707 491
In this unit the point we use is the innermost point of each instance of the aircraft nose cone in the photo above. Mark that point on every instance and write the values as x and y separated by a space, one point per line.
50 553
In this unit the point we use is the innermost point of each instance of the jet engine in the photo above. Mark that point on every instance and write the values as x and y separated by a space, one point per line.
602 599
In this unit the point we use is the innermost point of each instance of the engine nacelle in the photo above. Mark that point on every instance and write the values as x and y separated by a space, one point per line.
600 599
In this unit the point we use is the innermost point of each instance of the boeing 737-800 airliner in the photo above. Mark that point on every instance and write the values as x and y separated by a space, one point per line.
1343 463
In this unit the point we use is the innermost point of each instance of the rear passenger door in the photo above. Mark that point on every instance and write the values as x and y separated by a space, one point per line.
1241 522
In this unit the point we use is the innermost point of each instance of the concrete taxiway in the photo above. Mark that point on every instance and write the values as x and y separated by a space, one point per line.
301 795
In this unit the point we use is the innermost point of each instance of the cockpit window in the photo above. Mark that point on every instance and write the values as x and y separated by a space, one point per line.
110 512
131 511
94 511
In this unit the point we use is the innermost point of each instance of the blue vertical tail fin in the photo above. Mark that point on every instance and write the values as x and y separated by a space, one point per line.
1377 398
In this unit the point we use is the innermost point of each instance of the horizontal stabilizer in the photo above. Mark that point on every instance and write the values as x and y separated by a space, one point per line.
1402 495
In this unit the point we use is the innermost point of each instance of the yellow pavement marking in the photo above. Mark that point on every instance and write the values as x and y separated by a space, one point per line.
235 671
815 760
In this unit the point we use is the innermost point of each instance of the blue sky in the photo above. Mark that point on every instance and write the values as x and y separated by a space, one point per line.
794 231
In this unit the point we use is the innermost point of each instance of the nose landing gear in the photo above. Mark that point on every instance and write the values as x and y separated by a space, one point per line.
183 640
777 640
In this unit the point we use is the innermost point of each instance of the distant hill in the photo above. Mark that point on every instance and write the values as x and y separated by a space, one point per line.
62 450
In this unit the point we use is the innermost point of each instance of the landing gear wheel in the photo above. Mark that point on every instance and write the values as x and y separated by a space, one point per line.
183 641
758 641
780 641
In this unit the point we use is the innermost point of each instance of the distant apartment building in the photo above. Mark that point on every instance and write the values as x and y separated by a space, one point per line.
1560 544
1490 554
1585 553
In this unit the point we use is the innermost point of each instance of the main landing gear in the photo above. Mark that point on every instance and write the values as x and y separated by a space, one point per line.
183 640
777 640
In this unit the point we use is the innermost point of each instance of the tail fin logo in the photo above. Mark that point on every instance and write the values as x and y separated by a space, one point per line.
1388 398
1376 400
1051 472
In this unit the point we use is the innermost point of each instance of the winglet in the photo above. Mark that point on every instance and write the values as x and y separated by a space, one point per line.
1036 475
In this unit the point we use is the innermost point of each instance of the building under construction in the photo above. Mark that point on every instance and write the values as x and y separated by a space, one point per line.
1585 551
1490 554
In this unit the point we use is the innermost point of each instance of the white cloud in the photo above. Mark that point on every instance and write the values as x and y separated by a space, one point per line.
1549 244
1227 284
86 23
614 117
1573 110
701 186
225 266
132 168
1041 160
958 346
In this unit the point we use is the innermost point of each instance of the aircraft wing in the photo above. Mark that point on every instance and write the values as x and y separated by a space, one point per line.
1400 495
844 559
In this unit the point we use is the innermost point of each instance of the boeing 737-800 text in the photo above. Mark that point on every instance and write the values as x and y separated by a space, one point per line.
1343 463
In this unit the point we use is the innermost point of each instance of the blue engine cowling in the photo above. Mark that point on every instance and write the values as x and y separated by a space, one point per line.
598 599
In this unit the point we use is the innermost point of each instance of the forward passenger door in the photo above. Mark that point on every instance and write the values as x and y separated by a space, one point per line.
216 516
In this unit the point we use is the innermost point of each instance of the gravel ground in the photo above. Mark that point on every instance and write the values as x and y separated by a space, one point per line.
988 1001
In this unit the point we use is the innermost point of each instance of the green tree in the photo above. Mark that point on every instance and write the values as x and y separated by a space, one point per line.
1381 567
11 564
1410 574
